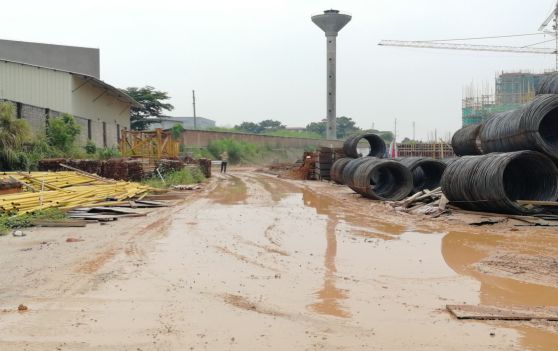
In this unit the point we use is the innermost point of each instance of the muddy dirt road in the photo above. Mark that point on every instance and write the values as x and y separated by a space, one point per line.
256 263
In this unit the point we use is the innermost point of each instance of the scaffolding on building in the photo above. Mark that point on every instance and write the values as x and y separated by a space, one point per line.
511 90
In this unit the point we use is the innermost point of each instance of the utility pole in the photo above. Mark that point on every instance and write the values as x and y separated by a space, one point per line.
395 132
194 105
414 131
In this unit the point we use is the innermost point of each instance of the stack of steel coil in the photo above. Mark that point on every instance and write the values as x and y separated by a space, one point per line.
496 181
534 126
350 168
376 144
548 84
466 141
379 179
427 172
337 169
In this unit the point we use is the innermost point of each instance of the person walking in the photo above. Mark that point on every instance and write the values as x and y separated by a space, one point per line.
224 161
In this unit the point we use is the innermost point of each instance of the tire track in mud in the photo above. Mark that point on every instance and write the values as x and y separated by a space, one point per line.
243 258
267 248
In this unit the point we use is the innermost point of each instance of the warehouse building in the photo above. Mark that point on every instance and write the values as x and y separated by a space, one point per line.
44 80
167 122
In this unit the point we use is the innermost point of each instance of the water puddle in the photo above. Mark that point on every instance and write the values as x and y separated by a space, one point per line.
229 192
337 261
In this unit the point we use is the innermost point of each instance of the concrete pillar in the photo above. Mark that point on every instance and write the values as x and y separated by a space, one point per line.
331 22
331 86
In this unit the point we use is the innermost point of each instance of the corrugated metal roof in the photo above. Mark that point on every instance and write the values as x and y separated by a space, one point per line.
119 94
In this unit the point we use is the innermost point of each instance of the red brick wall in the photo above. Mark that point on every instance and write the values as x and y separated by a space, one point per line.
202 138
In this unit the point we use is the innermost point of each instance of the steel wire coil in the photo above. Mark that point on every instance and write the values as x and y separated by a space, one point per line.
427 172
377 145
548 84
350 168
494 182
381 179
466 141
337 168
449 160
531 127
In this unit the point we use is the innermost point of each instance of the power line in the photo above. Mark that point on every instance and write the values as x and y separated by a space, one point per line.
493 37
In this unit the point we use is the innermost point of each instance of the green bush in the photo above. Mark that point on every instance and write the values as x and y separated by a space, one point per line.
176 131
13 135
239 151
183 177
90 148
107 153
62 132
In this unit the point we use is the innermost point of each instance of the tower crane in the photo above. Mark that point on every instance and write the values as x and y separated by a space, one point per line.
528 49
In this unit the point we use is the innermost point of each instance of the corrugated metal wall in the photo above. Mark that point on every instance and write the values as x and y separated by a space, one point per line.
94 103
35 86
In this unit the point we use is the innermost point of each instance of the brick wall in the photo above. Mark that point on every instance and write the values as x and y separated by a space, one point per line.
36 118
202 138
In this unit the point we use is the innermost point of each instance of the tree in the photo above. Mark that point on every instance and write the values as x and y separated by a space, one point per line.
13 134
249 127
62 132
317 127
176 131
270 125
345 127
153 102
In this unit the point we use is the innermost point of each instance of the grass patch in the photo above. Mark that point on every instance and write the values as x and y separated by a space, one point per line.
294 134
8 223
183 177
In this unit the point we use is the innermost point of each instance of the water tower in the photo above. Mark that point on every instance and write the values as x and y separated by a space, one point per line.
331 22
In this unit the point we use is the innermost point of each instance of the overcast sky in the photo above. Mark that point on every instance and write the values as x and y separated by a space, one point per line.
250 60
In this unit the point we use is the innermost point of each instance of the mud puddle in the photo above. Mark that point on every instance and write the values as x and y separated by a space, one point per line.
265 264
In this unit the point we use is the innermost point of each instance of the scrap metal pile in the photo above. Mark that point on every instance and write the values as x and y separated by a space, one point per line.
65 190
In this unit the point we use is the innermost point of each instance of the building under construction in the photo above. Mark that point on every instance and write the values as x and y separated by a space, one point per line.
511 90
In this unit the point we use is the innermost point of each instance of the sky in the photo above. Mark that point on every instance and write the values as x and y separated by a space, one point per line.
251 60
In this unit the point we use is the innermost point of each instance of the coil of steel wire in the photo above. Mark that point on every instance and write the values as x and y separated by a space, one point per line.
548 84
377 145
427 172
381 179
337 168
494 182
466 141
449 160
350 168
531 127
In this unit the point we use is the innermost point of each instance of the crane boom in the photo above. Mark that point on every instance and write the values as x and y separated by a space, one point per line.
468 47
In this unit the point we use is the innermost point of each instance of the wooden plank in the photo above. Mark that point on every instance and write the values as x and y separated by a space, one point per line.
151 203
116 210
500 313
537 203
59 223
178 196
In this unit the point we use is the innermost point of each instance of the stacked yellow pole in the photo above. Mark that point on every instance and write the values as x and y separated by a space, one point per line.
65 190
